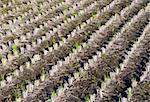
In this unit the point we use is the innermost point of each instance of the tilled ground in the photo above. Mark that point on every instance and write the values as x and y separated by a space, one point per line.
74 51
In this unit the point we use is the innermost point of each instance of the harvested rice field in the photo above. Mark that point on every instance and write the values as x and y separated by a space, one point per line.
74 50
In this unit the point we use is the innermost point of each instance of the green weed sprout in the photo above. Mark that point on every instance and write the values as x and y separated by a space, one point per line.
77 45
2 77
4 61
129 92
87 98
65 8
53 94
94 14
53 40
17 91
106 74
119 99
14 47
74 13
44 75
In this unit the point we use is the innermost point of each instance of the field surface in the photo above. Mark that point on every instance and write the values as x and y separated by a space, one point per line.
74 50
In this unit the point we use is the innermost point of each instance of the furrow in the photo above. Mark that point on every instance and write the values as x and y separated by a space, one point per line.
73 39
132 67
140 93
31 23
31 20
4 4
85 27
40 33
61 75
98 40
4 47
108 61
74 50
31 6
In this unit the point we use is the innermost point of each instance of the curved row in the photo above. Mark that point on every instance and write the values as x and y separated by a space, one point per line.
51 38
23 12
70 42
108 61
132 67
61 73
38 35
85 27
141 91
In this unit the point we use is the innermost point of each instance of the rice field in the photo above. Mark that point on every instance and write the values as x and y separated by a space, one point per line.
74 51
